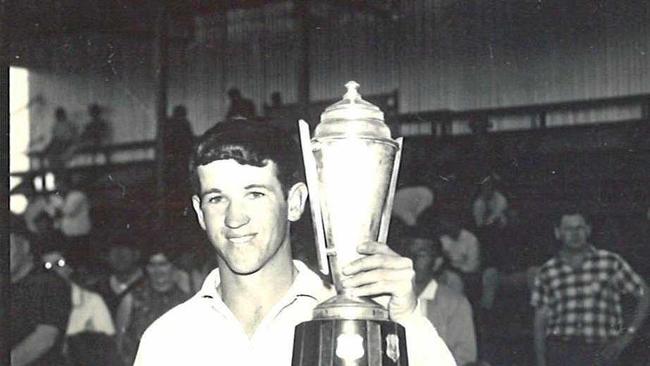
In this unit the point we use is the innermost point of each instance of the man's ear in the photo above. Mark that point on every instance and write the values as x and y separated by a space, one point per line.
296 199
196 204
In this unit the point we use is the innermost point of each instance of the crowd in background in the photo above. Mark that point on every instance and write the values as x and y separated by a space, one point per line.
477 263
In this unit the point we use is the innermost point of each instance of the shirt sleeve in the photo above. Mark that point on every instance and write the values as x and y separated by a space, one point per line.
424 345
540 294
462 336
626 280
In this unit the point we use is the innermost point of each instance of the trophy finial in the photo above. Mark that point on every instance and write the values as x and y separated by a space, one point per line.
353 91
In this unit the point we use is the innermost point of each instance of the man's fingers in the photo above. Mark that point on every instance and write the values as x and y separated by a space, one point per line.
385 287
373 247
377 261
378 275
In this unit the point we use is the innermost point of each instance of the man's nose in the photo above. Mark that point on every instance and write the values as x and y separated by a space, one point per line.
236 215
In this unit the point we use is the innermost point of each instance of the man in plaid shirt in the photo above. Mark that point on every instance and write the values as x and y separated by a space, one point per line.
577 300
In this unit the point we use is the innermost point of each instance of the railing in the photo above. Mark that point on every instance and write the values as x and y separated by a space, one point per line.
448 122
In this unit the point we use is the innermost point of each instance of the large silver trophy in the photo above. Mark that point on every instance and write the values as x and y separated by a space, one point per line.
351 167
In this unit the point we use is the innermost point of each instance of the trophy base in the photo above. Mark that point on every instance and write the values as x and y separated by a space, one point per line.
349 342
350 307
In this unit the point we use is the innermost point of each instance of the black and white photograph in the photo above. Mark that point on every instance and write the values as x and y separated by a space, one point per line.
326 182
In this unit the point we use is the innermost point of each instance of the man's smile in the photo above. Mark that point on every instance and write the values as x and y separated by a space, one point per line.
240 238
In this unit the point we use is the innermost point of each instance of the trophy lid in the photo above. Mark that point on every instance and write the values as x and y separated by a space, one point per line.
352 116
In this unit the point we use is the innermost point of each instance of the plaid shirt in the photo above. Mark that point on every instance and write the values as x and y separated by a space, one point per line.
585 302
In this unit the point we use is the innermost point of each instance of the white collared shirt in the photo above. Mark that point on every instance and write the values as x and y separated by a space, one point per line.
203 330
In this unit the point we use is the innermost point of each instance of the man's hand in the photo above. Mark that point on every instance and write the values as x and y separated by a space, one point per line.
383 272
613 350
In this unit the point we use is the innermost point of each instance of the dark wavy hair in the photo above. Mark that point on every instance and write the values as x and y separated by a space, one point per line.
248 143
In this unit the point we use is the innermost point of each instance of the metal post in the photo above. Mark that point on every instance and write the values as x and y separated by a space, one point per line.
161 58
302 16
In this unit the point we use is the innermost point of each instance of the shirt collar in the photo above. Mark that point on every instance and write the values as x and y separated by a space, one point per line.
591 251
306 283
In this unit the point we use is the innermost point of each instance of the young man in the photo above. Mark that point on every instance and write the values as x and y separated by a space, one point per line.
448 310
39 304
247 193
577 300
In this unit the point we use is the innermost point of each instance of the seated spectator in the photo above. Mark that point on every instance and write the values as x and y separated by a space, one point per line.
147 302
71 209
489 208
90 321
125 273
45 235
448 310
89 311
39 305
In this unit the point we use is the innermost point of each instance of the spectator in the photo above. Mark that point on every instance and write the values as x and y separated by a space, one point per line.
89 311
177 146
577 300
489 208
240 107
510 266
71 209
90 321
97 132
148 301
123 259
39 304
462 250
448 310
64 135
46 236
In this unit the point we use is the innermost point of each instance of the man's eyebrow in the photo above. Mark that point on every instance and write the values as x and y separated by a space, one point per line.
264 186
209 191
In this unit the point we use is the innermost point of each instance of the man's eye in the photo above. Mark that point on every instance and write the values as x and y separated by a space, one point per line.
215 199
256 194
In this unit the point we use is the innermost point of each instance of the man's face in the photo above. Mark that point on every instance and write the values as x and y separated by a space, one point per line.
123 259
245 213
421 253
573 231
160 271
55 261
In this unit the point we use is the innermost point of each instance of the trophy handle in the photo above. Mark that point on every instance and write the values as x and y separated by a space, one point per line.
388 207
312 185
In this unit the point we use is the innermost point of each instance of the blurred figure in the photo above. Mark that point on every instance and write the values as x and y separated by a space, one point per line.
577 299
64 135
148 301
448 310
461 247
46 236
71 209
410 202
39 305
90 322
177 146
97 132
123 259
489 208
240 107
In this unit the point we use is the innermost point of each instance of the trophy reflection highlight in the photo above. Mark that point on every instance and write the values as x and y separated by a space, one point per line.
351 166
